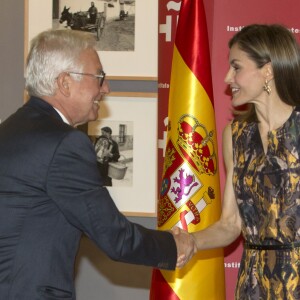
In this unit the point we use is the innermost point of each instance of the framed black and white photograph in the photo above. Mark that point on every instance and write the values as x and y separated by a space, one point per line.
120 28
111 22
132 123
125 142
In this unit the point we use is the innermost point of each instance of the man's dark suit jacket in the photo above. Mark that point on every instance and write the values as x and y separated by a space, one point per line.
50 193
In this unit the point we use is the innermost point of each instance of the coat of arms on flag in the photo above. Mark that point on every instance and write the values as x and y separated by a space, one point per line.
192 155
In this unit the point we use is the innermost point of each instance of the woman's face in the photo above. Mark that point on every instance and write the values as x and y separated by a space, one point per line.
245 79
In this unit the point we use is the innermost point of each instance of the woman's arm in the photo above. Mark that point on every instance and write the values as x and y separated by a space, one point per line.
228 227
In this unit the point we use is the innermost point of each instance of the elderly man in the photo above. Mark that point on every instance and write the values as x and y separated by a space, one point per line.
50 188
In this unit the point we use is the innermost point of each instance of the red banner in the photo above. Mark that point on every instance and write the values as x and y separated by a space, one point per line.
224 19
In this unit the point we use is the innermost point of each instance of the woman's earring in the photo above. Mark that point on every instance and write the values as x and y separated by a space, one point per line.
267 88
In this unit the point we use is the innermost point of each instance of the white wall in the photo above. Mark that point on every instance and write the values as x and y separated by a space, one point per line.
11 56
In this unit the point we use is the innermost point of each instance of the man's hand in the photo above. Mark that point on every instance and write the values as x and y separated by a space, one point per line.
186 246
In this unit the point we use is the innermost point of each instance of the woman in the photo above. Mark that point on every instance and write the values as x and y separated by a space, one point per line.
262 157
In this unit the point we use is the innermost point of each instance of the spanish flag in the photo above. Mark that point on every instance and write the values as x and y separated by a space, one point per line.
190 190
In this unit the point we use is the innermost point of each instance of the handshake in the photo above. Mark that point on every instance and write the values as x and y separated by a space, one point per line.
186 246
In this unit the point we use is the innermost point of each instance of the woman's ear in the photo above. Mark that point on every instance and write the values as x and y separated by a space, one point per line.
268 71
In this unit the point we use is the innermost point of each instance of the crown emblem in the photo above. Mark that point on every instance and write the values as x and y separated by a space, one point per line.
196 144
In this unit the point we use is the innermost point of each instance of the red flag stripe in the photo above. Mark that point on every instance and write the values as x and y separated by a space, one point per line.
192 16
162 290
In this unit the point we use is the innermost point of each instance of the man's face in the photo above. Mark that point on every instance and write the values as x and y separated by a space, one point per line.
86 94
105 133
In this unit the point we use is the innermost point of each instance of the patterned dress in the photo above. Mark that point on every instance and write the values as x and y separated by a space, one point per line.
267 189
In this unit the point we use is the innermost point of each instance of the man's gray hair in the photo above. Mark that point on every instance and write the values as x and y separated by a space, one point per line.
51 53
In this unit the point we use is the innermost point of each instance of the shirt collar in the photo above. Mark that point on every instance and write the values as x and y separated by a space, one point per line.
62 116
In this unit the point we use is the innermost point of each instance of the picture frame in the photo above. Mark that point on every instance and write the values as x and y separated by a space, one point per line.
138 198
140 63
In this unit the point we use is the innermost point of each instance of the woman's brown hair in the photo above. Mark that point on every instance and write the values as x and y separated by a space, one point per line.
275 44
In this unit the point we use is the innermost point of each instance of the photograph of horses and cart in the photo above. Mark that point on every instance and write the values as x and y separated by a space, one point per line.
112 22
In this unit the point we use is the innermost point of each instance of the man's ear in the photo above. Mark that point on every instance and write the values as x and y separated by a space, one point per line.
64 83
